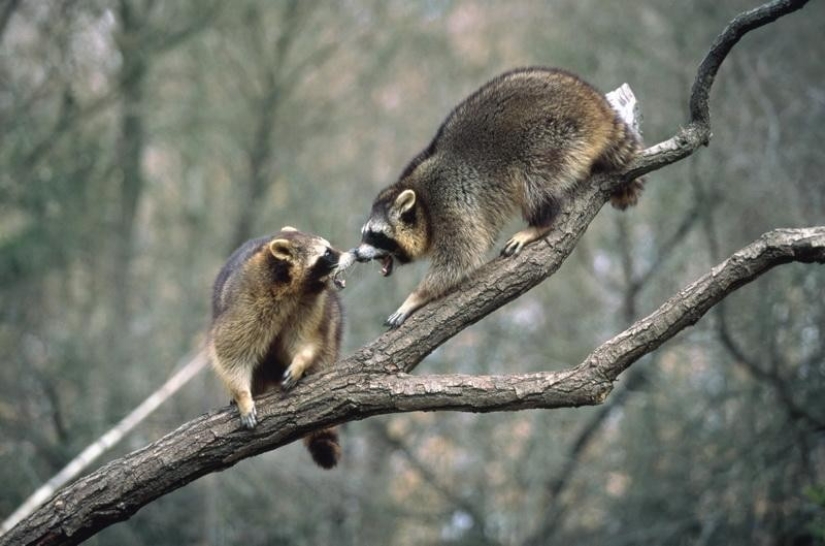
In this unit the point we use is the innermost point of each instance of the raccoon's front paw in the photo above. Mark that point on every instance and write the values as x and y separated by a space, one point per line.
249 420
289 380
414 301
396 319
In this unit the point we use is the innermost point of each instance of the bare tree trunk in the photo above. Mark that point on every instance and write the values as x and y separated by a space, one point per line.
260 155
374 380
94 450
6 11
129 153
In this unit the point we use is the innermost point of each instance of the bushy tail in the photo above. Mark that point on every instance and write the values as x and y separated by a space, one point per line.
324 447
626 146
627 195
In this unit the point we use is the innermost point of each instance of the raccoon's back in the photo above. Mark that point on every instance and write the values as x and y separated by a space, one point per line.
526 115
228 276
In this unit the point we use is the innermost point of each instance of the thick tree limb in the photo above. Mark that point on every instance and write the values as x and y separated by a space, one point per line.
374 380
215 441
94 450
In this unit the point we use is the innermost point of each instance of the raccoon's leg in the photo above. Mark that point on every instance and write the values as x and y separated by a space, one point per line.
447 269
413 302
301 362
238 379
540 218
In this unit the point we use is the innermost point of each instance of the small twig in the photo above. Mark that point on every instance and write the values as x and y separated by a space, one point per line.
697 132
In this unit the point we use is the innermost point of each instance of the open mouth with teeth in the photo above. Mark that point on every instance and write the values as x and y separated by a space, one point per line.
386 258
345 261
386 265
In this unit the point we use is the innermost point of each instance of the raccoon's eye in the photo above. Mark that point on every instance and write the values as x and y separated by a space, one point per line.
328 253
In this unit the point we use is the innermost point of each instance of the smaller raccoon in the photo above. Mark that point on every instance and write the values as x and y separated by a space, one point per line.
276 318
521 142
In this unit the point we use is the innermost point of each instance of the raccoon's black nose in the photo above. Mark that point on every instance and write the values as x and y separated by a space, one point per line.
358 256
367 251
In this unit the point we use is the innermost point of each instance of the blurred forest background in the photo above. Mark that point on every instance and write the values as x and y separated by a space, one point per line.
142 141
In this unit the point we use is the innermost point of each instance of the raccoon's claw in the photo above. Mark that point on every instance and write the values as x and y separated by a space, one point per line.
289 381
396 319
512 247
517 241
522 238
249 420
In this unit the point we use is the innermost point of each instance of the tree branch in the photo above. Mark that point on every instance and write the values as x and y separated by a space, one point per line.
697 132
5 15
738 27
770 377
374 380
355 390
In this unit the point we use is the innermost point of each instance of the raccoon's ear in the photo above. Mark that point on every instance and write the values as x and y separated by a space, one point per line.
404 201
288 228
281 249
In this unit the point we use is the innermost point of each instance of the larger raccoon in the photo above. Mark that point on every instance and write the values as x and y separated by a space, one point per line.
275 319
520 142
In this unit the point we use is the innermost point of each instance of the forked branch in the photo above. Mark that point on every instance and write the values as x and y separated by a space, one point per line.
350 392
697 132
374 380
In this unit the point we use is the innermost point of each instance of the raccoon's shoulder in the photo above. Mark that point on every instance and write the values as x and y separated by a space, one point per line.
230 274
422 156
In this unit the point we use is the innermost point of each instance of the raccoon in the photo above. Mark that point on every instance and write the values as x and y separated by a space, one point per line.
276 318
521 142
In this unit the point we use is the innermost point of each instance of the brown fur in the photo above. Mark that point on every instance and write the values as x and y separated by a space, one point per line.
520 143
275 319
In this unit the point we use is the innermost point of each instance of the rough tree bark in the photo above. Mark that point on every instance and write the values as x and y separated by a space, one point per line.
375 379
189 369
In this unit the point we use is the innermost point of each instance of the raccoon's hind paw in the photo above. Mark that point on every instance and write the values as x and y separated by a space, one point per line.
249 420
513 246
524 237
